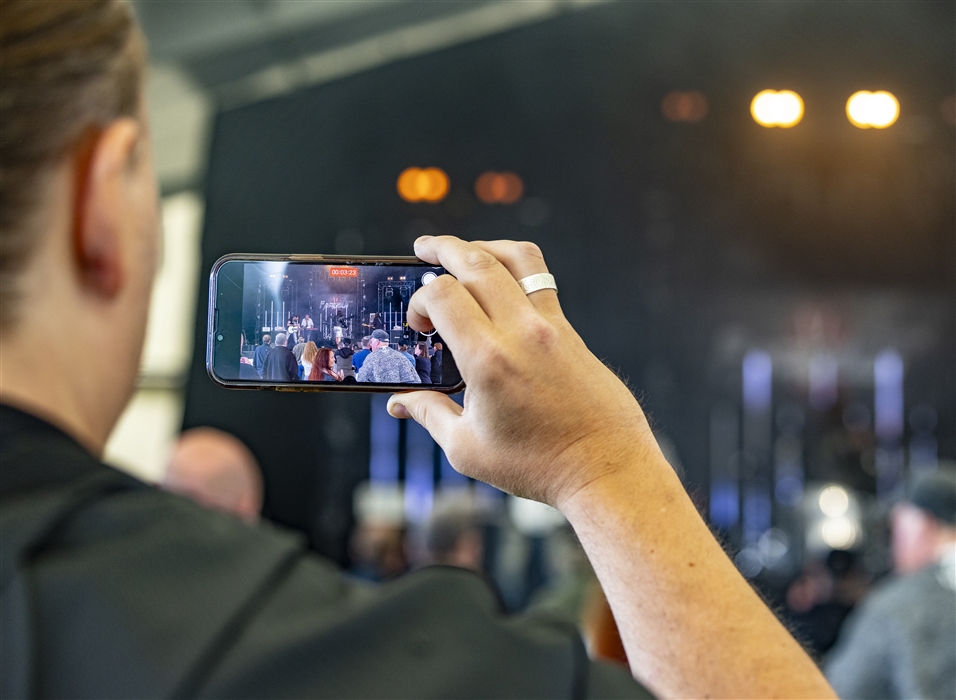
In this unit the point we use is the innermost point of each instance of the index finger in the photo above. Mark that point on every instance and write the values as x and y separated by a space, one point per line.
480 272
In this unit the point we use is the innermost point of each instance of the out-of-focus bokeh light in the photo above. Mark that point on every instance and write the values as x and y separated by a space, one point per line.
499 188
772 108
684 106
834 501
872 110
838 533
423 185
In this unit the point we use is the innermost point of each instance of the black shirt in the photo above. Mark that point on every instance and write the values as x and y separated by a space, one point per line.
112 588
280 365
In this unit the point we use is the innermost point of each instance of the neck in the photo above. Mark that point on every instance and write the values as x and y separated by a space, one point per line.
29 383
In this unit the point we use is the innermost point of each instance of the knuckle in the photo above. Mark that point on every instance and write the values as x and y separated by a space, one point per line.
540 333
439 288
479 260
529 250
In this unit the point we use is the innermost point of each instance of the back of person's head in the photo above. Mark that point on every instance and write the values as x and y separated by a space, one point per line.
216 470
924 522
266 339
309 352
365 342
452 535
281 338
67 68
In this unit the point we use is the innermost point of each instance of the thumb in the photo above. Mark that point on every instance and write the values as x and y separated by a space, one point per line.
437 413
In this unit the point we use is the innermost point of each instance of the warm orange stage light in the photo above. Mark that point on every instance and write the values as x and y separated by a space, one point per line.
872 110
499 188
681 106
771 108
423 185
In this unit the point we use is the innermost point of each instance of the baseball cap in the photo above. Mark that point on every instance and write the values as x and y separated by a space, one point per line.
935 492
379 334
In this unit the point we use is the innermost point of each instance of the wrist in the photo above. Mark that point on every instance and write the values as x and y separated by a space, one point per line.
633 482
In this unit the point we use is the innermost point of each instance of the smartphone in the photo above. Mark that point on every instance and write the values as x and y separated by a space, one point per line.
322 323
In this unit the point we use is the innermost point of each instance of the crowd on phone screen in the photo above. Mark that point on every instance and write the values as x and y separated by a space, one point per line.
288 357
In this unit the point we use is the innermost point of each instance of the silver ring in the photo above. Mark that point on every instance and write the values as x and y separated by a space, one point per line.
534 283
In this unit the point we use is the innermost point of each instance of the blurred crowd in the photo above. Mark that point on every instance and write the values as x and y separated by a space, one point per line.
889 633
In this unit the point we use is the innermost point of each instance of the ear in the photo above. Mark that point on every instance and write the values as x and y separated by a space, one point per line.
104 166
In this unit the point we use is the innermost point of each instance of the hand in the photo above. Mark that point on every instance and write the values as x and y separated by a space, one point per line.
542 416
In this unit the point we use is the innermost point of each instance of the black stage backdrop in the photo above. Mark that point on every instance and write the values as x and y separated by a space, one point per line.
676 246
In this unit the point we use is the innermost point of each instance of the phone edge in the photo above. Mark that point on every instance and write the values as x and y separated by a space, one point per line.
309 387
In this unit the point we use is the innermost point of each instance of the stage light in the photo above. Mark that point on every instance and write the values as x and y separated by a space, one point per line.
838 533
872 110
834 501
771 108
681 106
499 188
422 185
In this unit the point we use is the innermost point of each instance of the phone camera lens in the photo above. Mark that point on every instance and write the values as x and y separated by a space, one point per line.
219 337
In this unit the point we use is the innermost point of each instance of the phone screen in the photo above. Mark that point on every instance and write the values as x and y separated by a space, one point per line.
286 323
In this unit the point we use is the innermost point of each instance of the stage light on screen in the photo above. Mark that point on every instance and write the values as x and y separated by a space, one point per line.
872 110
423 185
684 106
499 188
771 108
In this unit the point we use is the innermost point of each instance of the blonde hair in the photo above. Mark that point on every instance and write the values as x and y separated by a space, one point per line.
309 352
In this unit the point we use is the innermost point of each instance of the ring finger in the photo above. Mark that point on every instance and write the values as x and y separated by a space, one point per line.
523 259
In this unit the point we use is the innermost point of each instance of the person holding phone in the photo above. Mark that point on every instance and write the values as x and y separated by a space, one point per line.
112 588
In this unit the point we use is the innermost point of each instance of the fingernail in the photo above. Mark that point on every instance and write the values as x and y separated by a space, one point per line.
397 410
422 239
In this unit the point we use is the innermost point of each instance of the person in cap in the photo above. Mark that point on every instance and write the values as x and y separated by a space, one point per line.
901 642
385 365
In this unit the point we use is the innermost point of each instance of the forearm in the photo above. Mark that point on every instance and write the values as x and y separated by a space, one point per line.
691 625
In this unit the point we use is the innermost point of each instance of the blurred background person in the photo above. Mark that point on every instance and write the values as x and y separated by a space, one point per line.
247 365
359 357
308 358
262 352
280 364
323 368
343 359
377 545
423 363
452 535
297 350
216 470
901 642
403 348
437 349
